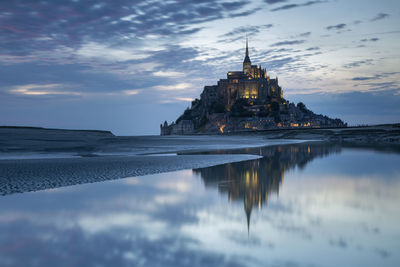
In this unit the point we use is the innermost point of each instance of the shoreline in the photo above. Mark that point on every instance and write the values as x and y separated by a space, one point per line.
39 159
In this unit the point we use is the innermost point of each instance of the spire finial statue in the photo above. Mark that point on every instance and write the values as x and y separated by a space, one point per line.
247 46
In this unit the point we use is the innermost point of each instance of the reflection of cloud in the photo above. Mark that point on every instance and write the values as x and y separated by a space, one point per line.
180 186
170 199
104 222
382 252
49 246
340 242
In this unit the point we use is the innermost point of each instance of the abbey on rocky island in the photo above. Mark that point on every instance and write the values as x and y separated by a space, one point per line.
247 100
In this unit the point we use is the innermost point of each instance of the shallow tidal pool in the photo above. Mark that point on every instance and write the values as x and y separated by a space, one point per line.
300 205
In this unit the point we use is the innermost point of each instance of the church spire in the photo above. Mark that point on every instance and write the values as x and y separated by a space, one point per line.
247 58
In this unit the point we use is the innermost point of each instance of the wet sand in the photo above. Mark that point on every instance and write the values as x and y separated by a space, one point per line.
36 159
17 176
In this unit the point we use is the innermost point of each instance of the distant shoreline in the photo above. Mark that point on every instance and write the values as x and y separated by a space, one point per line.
52 129
390 125
28 138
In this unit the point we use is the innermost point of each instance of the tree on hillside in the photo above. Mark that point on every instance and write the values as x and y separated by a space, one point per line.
301 106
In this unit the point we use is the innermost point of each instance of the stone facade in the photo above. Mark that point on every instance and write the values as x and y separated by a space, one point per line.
180 128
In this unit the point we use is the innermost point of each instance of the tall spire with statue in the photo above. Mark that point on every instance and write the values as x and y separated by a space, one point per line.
246 61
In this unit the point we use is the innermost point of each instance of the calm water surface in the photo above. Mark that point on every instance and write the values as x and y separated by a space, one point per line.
300 205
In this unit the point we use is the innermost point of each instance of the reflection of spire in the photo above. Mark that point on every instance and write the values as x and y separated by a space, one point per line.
248 205
253 182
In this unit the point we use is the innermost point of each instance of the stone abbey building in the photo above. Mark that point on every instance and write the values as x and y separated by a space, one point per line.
246 100
251 83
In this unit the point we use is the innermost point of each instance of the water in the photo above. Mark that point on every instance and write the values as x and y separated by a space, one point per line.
300 205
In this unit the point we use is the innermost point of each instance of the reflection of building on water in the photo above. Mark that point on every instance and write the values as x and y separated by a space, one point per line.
253 182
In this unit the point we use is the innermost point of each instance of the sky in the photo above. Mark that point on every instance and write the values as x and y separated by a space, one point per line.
128 65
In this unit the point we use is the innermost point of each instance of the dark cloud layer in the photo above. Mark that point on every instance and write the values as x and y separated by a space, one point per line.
42 26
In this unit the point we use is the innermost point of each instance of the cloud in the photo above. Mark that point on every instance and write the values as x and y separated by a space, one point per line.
279 63
358 63
305 34
376 77
185 99
250 30
366 78
382 86
290 6
313 48
168 73
41 89
174 87
336 27
380 16
131 92
239 32
294 42
101 51
274 1
370 40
